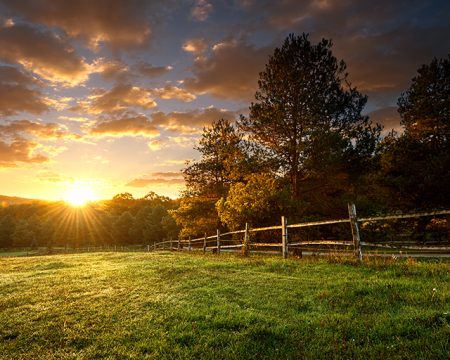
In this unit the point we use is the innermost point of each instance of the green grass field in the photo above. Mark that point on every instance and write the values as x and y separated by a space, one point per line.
182 306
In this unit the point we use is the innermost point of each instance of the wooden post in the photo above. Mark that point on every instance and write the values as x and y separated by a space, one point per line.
190 248
204 244
355 230
218 241
170 244
178 247
284 237
148 248
246 248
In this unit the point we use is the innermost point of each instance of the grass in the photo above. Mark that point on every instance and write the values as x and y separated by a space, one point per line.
182 306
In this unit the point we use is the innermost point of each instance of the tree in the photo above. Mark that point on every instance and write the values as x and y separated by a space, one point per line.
308 117
121 229
7 227
415 166
425 106
224 161
257 201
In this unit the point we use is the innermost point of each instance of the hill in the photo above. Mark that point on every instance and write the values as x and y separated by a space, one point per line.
14 200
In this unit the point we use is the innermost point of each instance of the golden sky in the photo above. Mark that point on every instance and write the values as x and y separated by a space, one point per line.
112 95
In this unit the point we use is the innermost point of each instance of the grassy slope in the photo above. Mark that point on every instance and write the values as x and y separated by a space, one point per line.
163 305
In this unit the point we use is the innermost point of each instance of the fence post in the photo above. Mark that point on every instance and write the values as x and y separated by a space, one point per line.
284 237
246 248
355 230
171 245
148 248
218 241
178 247
190 248
204 244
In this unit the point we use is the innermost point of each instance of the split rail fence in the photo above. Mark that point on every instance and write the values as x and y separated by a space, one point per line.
241 239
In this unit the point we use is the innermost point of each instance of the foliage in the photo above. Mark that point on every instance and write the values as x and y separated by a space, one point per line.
415 165
308 117
257 201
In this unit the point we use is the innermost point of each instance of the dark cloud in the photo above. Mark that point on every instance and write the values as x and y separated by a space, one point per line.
190 121
230 71
201 10
151 71
19 93
117 23
139 125
42 52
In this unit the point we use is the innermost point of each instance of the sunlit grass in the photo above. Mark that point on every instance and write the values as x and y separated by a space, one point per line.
169 305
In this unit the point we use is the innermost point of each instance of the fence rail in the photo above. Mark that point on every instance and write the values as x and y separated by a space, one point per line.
220 243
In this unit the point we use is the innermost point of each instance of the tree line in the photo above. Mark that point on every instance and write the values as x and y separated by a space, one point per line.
304 150
121 221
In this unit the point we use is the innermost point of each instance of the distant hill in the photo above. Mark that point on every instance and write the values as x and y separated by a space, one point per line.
14 200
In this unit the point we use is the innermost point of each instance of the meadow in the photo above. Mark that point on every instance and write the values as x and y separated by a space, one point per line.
168 305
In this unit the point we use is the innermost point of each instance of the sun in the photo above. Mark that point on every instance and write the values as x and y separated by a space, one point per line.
79 194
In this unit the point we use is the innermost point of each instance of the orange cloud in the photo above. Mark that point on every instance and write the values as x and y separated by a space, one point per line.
173 92
195 46
43 53
132 126
19 150
117 23
18 93
47 131
120 97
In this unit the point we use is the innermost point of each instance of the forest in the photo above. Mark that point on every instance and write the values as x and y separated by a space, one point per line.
304 150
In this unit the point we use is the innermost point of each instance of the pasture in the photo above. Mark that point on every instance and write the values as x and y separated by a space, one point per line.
169 305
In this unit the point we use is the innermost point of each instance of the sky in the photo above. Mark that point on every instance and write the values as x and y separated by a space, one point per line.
110 96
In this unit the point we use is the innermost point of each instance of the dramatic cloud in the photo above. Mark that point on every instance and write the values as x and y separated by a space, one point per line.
19 150
131 126
190 121
119 24
201 10
172 92
120 97
47 131
229 72
43 53
19 93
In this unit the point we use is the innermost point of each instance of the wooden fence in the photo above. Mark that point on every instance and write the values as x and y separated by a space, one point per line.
241 238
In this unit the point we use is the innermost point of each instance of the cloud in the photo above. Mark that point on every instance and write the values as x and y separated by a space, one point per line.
73 118
195 46
19 150
190 121
18 93
129 126
53 177
201 10
117 23
158 178
116 70
43 53
47 131
388 117
229 72
120 97
173 92
150 70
